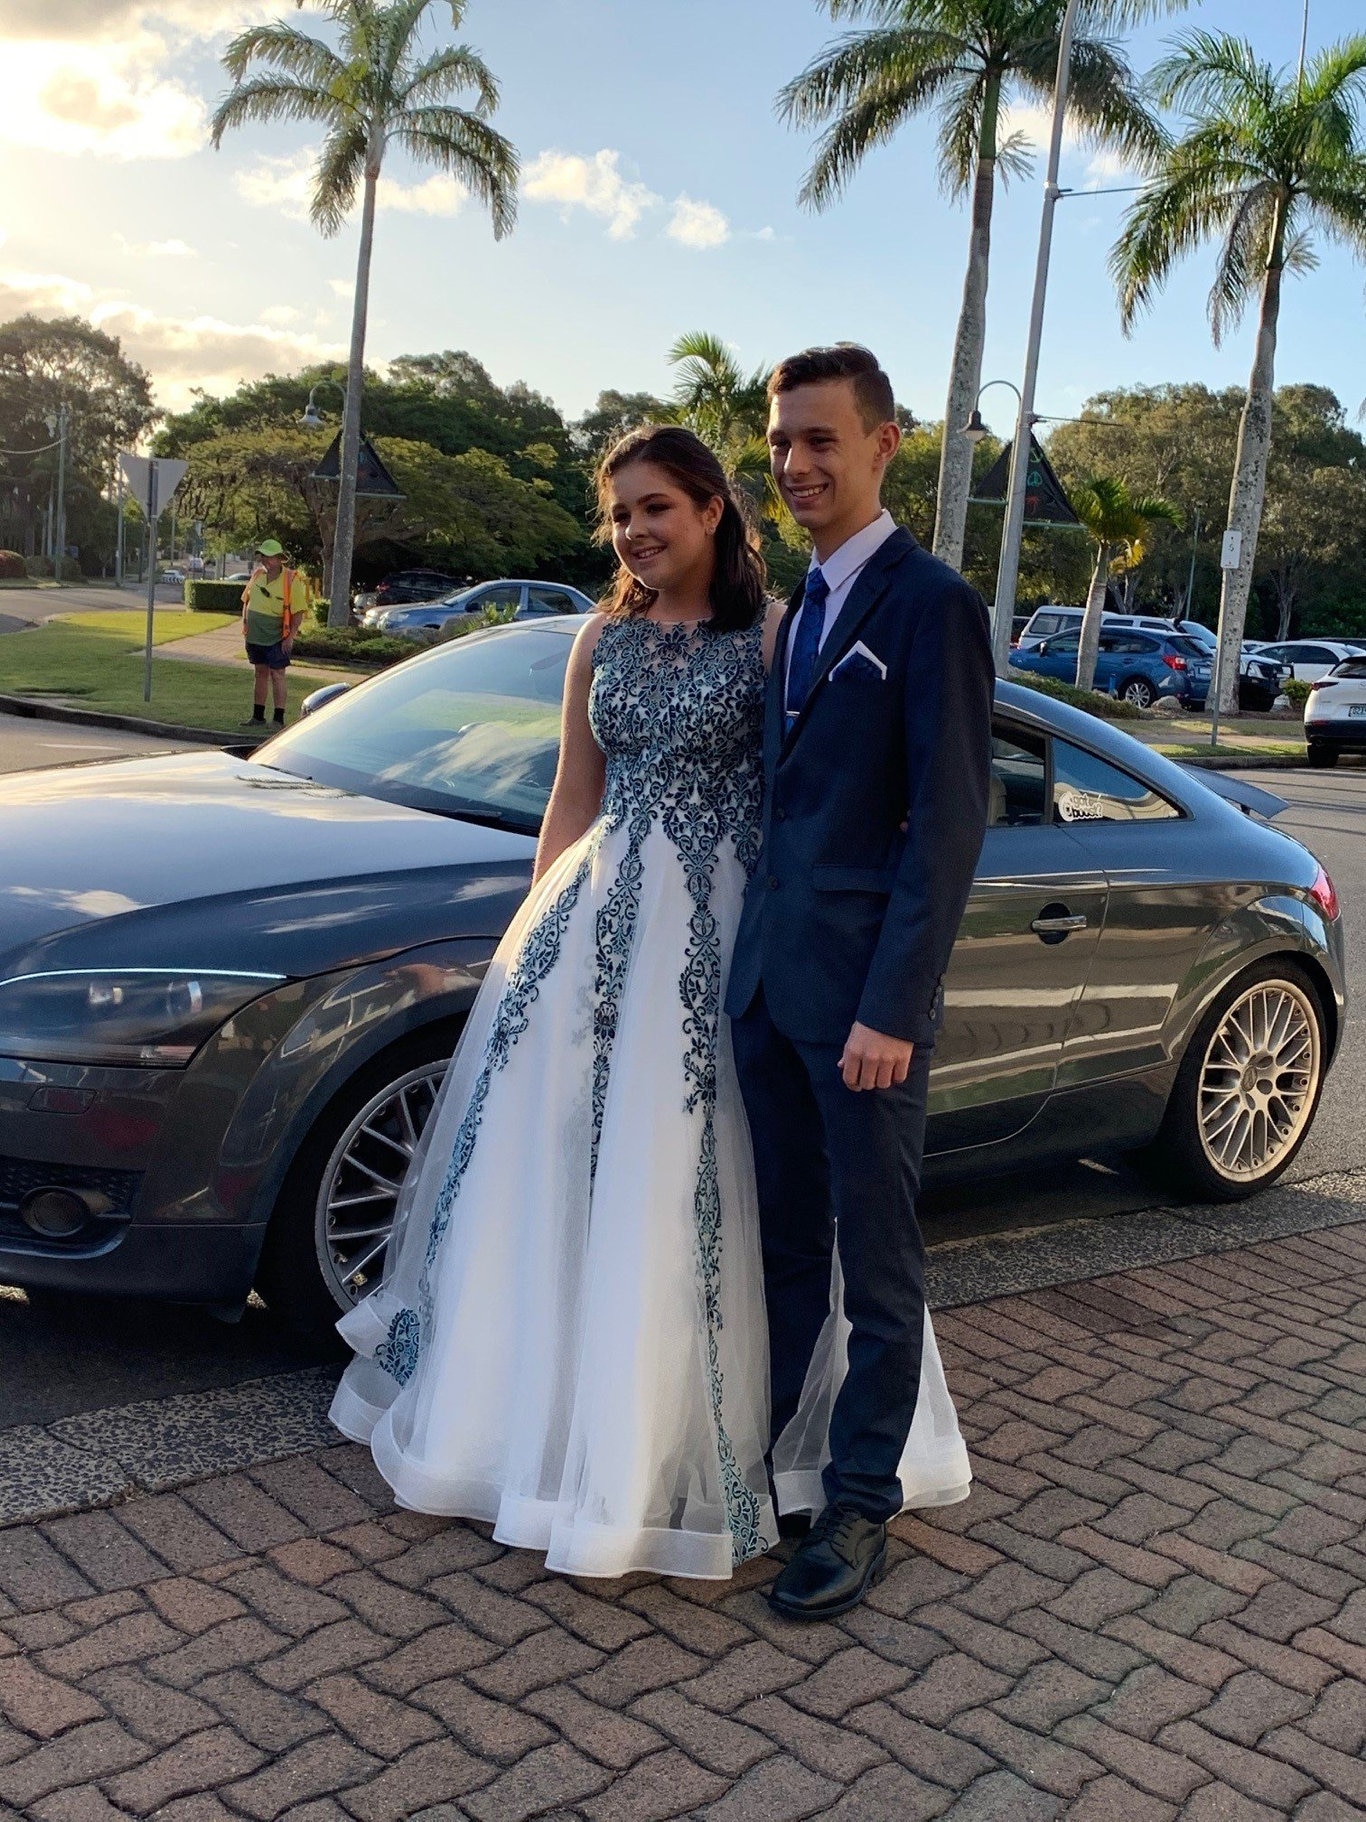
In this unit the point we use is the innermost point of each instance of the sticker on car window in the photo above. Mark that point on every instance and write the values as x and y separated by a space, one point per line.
1080 806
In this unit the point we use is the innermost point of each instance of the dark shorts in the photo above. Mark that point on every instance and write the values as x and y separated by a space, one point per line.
275 656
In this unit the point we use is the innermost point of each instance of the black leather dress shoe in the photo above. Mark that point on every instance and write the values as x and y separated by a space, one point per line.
831 1571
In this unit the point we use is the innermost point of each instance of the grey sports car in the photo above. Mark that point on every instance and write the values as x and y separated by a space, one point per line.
229 986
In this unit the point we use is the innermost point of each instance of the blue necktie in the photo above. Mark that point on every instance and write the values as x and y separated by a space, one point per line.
806 643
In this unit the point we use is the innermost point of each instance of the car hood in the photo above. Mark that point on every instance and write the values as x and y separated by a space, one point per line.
207 859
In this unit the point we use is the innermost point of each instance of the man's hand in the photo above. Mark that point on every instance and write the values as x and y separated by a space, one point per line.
873 1060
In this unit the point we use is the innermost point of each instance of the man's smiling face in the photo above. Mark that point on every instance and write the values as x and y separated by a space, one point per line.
827 462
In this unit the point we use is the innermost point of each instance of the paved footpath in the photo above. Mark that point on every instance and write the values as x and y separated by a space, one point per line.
1154 1605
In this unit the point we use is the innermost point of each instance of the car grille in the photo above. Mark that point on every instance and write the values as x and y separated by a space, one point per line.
20 1175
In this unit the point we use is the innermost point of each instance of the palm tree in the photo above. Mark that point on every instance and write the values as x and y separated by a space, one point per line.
728 408
1118 524
1266 160
968 60
375 91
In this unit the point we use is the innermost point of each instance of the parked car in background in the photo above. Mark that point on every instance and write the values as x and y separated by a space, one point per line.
406 585
1140 667
1259 678
1309 659
1335 714
229 988
527 600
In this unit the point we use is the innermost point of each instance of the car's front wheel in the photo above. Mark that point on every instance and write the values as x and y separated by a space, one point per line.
1139 692
326 1243
1248 1086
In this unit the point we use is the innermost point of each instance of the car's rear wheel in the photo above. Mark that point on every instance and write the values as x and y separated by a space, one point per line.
326 1243
1320 753
1139 692
1248 1085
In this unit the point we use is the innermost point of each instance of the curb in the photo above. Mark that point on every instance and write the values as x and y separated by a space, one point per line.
1244 762
132 724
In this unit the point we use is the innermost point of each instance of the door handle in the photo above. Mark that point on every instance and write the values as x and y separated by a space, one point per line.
1055 926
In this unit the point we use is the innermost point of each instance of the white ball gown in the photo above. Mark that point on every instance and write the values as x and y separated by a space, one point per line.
569 1341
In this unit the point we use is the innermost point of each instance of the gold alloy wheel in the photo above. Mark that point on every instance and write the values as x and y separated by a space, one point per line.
1259 1080
359 1192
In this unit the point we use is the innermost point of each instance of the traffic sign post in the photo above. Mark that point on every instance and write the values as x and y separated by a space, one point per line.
152 481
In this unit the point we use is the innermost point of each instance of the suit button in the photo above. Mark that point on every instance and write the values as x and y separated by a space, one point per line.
780 815
772 883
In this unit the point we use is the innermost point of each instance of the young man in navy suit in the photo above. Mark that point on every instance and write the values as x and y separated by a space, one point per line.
877 754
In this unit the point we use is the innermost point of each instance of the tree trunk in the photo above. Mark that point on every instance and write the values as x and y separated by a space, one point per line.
1248 492
965 375
1090 620
1285 607
343 542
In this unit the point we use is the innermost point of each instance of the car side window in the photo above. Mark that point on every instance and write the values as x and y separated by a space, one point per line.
501 598
1063 644
1317 654
548 601
1088 789
1019 778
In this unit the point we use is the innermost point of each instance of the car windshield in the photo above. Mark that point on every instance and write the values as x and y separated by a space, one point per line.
471 729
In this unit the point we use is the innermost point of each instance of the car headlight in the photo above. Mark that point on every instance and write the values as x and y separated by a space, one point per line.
157 1017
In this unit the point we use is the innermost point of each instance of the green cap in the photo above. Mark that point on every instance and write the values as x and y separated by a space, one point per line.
270 547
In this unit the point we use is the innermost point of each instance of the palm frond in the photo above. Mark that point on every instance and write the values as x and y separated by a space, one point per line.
472 151
452 71
1173 215
269 98
1105 101
1211 73
337 177
1243 257
286 48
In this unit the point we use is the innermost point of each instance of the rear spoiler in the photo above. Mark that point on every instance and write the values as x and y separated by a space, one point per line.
1248 797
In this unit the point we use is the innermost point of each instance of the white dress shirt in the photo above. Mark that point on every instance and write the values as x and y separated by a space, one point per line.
843 567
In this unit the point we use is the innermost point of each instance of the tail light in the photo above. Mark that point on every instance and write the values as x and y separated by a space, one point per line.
1324 894
1173 664
1321 683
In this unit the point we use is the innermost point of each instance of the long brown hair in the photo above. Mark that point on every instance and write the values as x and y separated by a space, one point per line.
738 584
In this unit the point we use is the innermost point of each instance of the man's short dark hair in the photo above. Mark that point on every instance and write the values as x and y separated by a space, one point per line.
845 361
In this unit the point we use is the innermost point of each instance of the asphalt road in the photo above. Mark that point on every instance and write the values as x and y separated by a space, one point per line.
60 1356
26 745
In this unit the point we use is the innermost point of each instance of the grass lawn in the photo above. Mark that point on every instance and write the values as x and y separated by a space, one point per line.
1267 749
94 661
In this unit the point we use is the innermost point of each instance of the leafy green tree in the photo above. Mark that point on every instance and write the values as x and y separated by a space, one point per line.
377 91
1119 523
614 414
1266 159
1313 530
967 61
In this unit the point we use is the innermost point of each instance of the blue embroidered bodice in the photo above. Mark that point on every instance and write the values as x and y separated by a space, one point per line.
678 710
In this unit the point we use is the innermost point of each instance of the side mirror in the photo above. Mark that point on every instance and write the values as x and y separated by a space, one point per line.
320 698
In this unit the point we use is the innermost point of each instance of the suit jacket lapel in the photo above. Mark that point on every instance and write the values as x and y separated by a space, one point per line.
864 596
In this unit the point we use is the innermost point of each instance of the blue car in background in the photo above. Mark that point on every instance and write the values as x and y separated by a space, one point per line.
1137 666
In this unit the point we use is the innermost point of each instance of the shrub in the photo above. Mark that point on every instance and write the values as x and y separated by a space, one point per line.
214 597
38 567
12 566
353 645
1297 690
1108 708
460 624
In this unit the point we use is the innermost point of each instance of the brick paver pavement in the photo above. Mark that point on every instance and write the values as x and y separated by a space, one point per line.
1153 1606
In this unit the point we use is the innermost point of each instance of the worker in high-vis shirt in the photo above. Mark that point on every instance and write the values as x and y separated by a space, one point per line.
274 603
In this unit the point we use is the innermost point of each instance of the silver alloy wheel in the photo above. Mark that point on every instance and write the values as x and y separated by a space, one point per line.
1259 1080
1139 693
360 1187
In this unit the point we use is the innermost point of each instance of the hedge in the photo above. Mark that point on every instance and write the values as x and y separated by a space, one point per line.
12 566
1109 708
214 597
352 645
40 568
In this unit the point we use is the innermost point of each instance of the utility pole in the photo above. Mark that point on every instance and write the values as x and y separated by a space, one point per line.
60 427
1012 536
1190 580
118 549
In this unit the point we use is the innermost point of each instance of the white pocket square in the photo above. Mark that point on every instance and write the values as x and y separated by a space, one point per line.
859 650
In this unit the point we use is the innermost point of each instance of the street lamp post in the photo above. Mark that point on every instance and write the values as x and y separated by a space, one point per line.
60 427
312 419
1008 570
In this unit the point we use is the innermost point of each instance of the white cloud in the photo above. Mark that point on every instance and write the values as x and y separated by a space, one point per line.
117 101
595 184
156 249
90 19
1035 120
181 353
285 183
280 316
698 224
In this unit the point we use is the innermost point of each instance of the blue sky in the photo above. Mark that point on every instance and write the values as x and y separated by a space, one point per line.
661 197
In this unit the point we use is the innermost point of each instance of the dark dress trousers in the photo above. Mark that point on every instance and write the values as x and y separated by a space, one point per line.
875 806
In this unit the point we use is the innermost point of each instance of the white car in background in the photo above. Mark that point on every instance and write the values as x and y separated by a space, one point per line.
1335 714
1309 659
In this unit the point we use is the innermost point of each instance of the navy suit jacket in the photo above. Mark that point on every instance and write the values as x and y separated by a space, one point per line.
847 917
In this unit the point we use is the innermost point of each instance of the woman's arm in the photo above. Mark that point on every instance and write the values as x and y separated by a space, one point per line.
582 772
